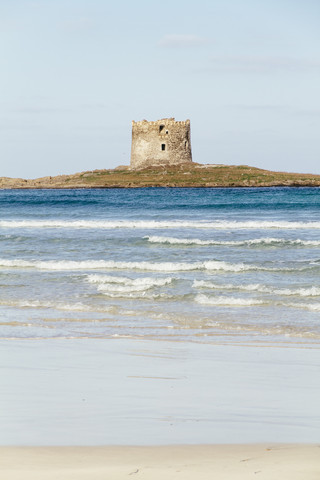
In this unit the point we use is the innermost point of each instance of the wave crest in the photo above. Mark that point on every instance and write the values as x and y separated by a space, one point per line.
240 243
302 291
227 301
153 224
112 265
107 283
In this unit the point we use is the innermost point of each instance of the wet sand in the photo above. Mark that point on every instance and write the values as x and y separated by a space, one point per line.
241 412
224 462
131 392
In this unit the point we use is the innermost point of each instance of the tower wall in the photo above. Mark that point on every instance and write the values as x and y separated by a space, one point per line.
164 141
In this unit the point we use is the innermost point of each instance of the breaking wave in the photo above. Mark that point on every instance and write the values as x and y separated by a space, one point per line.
153 224
208 265
124 287
140 294
108 283
251 242
313 307
302 292
75 307
212 265
227 301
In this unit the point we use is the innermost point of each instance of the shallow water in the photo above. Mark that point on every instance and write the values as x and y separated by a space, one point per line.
159 316
233 266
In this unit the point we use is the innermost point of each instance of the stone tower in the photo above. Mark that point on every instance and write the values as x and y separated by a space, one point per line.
162 142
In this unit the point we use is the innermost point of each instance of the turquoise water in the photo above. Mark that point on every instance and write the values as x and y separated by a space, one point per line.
236 266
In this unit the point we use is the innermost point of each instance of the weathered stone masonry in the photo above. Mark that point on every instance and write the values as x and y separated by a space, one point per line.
164 141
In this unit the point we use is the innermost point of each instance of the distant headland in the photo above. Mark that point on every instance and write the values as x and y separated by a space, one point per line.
161 157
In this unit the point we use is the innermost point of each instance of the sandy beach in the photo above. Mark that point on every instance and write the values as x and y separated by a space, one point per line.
57 396
225 462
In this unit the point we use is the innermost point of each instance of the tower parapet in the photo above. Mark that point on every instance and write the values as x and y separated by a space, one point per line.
160 142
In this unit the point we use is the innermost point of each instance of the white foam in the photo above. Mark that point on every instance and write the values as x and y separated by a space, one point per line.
136 294
228 286
227 301
16 263
125 293
154 224
76 307
181 241
313 307
115 287
227 267
112 265
302 292
143 283
163 267
250 242
111 287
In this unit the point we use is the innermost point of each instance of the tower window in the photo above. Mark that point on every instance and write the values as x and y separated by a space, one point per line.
161 128
163 146
167 132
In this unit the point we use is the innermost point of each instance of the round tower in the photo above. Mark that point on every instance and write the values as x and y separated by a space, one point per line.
164 141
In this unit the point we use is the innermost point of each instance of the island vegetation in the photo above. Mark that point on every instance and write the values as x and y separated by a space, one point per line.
184 175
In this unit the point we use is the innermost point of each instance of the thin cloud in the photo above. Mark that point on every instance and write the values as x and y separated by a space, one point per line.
251 64
181 41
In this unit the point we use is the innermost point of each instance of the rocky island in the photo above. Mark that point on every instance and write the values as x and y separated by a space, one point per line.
161 156
183 175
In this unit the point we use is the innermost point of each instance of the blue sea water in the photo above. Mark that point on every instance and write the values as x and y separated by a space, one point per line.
146 316
236 266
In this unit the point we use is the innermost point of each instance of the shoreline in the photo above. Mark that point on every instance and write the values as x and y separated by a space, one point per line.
225 462
135 187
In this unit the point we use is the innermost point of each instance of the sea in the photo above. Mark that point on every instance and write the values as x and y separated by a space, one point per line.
237 265
155 316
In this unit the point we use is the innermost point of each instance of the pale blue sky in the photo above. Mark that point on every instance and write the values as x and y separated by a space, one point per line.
74 73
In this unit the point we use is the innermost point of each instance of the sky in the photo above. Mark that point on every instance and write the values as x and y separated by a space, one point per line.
75 73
